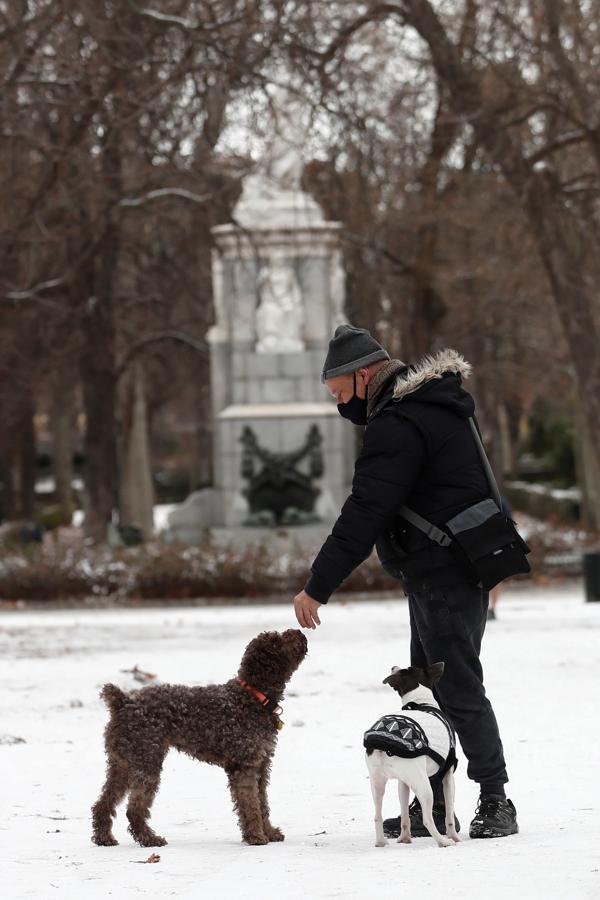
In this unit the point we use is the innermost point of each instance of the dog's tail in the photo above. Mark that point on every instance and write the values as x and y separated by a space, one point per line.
113 696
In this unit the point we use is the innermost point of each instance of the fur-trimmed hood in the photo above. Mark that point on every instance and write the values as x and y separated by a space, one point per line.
431 368
436 380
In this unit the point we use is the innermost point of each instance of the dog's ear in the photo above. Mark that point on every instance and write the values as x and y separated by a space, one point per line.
435 671
393 678
402 680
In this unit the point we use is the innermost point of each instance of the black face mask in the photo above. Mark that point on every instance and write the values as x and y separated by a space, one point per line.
355 409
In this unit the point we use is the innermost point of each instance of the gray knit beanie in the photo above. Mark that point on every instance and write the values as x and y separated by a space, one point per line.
350 349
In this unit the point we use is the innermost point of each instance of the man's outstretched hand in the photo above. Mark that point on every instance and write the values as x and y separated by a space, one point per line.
307 610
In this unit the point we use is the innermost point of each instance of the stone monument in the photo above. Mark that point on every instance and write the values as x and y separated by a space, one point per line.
278 285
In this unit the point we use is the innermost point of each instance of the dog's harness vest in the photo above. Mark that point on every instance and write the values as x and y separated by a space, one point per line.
401 735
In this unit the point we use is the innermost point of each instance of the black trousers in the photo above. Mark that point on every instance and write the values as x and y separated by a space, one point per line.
447 625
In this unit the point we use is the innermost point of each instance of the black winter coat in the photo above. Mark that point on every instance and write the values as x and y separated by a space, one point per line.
418 451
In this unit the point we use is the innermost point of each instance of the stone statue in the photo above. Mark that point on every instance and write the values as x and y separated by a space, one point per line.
272 194
283 160
280 315
337 287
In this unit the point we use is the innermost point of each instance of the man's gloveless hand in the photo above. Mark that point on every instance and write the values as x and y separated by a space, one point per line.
307 610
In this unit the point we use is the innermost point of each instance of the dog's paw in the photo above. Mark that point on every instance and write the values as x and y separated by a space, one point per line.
256 840
453 835
275 834
152 840
405 839
105 841
444 841
381 843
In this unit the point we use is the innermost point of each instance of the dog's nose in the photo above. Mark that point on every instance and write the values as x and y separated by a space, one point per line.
303 641
297 638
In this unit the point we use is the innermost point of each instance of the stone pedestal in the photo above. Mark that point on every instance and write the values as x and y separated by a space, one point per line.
278 287
282 427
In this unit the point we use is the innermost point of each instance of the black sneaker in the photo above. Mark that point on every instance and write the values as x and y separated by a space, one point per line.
391 827
495 817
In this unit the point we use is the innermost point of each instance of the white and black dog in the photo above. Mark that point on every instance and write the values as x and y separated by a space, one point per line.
410 747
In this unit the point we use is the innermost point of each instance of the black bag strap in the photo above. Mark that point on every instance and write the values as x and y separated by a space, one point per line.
434 533
491 478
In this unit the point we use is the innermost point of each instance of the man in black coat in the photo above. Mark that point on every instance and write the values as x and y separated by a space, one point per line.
418 450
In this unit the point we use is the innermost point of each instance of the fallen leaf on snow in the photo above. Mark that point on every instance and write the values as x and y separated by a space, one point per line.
139 674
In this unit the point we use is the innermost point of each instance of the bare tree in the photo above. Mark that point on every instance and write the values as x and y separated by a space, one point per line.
113 108
520 89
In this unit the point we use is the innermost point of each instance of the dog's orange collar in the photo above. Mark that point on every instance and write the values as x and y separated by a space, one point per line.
271 705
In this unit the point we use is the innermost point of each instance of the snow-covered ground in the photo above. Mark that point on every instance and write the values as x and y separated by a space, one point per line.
542 664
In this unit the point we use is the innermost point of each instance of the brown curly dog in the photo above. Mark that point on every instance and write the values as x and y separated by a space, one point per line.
232 725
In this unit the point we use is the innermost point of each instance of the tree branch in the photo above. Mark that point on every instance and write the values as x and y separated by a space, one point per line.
161 193
27 20
374 13
179 22
177 336
31 293
560 142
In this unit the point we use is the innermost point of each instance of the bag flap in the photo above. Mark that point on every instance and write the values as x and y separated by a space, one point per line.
473 516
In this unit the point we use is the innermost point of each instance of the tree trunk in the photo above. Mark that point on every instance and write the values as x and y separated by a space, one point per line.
507 454
99 399
98 366
136 487
62 422
26 458
491 432
7 492
428 307
589 472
